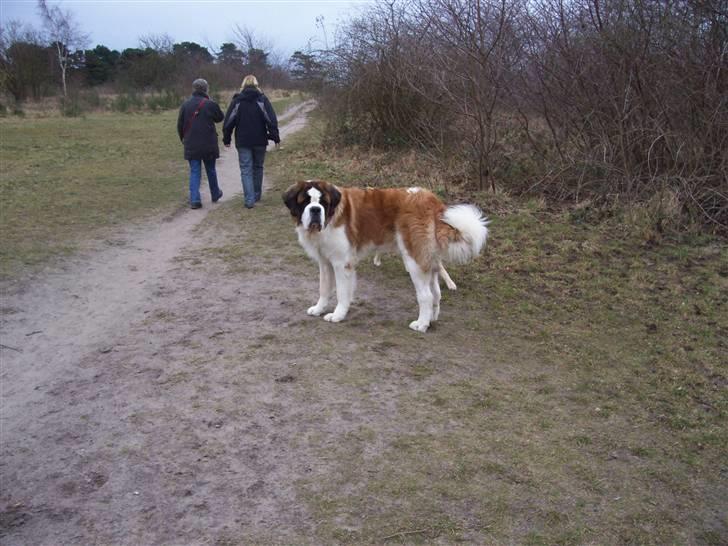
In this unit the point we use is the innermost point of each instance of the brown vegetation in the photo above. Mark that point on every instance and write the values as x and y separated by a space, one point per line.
611 101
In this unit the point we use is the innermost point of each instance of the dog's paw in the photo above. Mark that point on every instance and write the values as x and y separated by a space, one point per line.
417 327
315 311
435 313
377 260
333 317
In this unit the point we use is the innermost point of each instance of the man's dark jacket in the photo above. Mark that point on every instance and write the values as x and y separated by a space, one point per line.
251 128
201 138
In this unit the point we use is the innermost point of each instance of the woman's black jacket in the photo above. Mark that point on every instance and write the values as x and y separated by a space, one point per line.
200 141
251 127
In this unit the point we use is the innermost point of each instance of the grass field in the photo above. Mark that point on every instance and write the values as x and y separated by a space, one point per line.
67 179
576 392
573 392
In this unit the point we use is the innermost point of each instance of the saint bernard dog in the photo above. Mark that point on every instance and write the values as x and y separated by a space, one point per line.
339 226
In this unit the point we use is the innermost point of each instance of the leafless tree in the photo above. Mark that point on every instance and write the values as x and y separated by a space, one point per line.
260 55
161 43
63 33
246 39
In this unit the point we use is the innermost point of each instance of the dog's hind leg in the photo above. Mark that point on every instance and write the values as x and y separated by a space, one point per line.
326 288
435 288
445 277
422 281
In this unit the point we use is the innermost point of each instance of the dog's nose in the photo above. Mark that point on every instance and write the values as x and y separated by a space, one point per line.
315 211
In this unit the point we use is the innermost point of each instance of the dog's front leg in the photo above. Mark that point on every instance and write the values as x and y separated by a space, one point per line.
345 283
326 287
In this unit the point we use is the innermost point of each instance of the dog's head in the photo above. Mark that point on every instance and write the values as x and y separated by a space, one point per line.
312 203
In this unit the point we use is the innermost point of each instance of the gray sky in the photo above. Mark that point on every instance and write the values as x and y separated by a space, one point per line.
118 24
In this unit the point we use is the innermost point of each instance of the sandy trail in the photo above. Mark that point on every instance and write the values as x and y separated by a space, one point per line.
57 321
54 334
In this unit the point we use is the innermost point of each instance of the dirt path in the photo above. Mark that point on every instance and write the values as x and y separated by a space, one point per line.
80 352
67 315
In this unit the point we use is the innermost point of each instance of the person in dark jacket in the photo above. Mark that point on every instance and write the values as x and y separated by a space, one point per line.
196 128
252 117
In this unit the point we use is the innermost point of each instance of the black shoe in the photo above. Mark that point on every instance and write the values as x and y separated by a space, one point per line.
216 199
195 205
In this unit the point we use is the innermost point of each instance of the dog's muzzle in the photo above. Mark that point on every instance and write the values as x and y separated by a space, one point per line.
316 218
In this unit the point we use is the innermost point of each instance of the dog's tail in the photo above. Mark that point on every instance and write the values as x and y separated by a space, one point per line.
471 232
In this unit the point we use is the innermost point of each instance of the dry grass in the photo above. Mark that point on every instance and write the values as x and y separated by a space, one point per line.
66 181
574 391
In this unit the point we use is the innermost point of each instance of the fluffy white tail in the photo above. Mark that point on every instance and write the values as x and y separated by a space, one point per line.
472 225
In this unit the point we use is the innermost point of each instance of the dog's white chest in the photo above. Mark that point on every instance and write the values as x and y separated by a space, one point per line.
330 243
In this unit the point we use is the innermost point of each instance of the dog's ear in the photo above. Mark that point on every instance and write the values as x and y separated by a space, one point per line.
290 198
334 200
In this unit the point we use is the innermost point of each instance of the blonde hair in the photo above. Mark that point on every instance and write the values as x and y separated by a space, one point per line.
249 81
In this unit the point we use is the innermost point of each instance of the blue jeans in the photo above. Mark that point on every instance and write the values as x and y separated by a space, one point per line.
251 173
196 176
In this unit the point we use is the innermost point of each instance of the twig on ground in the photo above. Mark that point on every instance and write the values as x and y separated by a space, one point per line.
34 332
9 347
405 533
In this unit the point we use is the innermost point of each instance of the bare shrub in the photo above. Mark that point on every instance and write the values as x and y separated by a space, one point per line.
634 95
615 101
369 97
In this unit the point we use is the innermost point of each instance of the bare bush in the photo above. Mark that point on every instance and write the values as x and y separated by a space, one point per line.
25 70
634 95
611 100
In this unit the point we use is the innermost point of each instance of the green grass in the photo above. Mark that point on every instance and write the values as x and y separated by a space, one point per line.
65 180
574 391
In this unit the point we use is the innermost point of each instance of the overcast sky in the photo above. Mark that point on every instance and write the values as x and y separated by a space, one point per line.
118 24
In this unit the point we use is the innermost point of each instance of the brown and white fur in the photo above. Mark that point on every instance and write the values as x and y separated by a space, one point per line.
339 226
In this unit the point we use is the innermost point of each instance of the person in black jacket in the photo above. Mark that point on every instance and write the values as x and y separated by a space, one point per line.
196 128
252 117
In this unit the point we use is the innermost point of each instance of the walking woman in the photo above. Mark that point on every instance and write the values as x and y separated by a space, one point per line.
196 128
251 115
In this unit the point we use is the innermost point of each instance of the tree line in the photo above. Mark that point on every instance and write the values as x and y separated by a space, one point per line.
29 67
597 102
583 100
54 60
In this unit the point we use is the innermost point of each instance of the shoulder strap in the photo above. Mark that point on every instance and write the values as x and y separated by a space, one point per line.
261 105
231 119
189 121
